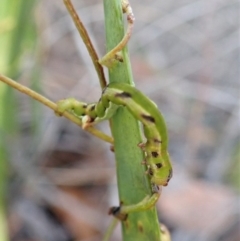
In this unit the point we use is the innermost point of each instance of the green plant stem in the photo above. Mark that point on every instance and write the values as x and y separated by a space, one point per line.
110 229
133 184
53 106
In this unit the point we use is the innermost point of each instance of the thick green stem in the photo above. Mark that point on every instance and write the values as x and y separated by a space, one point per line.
133 184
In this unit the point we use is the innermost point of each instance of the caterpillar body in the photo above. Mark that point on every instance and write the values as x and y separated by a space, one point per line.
144 110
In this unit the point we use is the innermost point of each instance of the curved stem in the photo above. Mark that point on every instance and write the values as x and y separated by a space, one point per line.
113 54
53 106
87 41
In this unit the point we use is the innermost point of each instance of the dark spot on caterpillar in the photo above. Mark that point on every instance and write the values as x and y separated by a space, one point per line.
84 106
169 177
170 174
91 119
155 154
148 118
150 171
119 58
157 141
123 95
92 108
158 165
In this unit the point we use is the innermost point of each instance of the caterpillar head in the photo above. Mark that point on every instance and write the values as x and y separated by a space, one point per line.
162 176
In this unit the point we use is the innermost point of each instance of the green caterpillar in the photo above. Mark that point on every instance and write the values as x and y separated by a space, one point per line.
142 108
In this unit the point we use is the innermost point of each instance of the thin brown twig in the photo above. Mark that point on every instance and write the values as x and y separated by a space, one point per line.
53 106
87 41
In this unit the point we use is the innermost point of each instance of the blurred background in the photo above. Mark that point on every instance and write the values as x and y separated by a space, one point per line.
57 181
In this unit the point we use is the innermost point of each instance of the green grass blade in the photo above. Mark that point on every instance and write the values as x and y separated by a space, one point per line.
15 23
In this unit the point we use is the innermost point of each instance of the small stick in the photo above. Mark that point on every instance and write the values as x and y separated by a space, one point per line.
53 106
87 41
